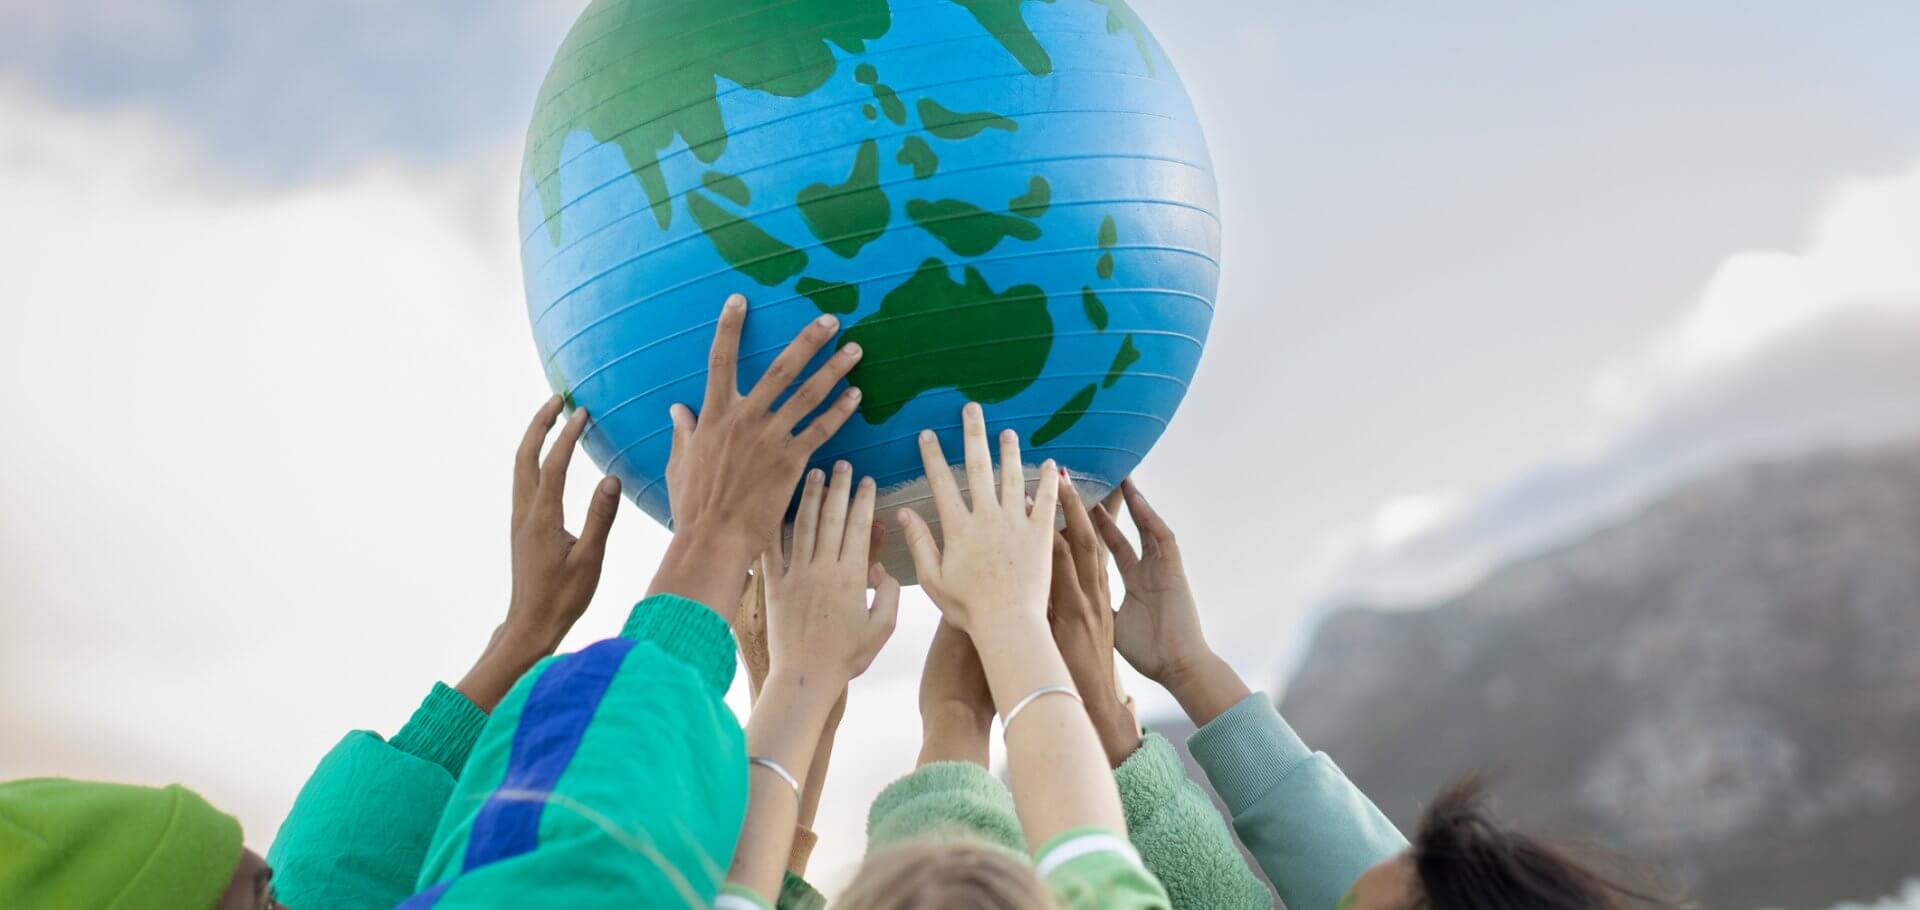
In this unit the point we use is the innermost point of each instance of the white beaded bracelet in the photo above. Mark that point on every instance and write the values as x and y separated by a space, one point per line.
1022 704
776 768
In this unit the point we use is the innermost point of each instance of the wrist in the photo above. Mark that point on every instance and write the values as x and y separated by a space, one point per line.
709 568
811 688
1119 734
1183 669
1205 689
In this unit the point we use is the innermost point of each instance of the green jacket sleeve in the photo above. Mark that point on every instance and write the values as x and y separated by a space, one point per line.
1312 831
615 776
943 801
1180 836
361 825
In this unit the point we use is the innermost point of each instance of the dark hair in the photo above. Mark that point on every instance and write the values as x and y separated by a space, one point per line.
1467 861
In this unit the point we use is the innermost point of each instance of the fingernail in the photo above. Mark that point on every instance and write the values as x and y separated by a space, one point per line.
851 349
973 409
1064 475
579 416
826 322
866 483
1047 465
609 485
736 303
926 435
816 476
853 393
901 516
841 467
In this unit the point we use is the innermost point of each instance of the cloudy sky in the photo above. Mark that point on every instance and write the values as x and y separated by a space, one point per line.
1494 273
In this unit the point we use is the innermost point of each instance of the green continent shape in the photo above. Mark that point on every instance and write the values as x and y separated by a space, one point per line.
760 255
833 297
867 111
638 73
1109 236
726 185
866 75
951 124
917 153
1127 356
1002 20
1122 18
1096 310
932 333
853 214
1035 202
965 228
1064 419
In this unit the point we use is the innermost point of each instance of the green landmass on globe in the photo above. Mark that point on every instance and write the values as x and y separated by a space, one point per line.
641 94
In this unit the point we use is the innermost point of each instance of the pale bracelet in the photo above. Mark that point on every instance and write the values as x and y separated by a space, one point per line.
775 767
1022 704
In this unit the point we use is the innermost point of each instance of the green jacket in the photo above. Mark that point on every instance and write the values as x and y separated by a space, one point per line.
360 828
612 777
1170 822
1312 831
563 765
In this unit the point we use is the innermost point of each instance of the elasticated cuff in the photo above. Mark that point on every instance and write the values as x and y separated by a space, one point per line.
736 897
1148 779
686 630
443 729
796 894
1247 750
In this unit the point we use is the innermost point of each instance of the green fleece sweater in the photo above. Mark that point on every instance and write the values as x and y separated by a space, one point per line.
613 777
1312 831
360 827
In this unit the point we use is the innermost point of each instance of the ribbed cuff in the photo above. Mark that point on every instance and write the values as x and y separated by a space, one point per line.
1247 750
687 630
1148 779
796 894
735 897
443 729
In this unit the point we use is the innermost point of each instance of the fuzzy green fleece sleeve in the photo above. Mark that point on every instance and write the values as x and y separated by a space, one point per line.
1180 836
945 801
613 777
360 827
1312 831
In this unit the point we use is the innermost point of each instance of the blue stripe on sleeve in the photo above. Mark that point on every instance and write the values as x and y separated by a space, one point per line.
552 721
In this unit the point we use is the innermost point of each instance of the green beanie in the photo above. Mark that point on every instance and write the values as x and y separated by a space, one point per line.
77 844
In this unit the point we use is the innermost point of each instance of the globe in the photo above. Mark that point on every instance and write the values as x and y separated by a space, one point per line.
1002 201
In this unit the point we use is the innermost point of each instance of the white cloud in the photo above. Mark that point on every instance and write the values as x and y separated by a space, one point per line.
1783 352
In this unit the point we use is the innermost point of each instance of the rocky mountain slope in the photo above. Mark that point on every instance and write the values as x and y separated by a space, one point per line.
1727 685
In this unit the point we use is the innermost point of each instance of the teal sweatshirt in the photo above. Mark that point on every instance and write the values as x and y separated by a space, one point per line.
611 777
1312 831
360 827
1170 822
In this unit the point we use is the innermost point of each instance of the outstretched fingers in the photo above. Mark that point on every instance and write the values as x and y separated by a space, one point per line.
723 359
806 522
817 386
920 545
600 514
1154 532
526 461
1013 479
863 536
1046 498
553 471
1081 536
833 512
786 367
973 435
884 615
940 482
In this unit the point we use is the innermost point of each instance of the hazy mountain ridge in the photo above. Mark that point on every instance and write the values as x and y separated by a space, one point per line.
1728 683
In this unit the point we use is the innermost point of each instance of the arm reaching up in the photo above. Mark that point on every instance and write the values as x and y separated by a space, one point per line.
359 830
821 633
1312 831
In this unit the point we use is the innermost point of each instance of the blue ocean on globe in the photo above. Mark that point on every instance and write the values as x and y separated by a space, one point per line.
1006 201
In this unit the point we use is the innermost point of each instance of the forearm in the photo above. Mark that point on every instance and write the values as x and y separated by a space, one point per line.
955 732
1060 778
785 728
708 568
1206 688
509 654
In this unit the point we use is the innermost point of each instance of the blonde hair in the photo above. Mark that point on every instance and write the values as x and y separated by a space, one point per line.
920 875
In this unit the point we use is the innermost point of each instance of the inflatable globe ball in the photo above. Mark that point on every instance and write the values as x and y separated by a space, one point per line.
1001 201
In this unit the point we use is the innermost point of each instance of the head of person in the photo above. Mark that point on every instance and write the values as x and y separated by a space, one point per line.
922 875
1462 858
69 843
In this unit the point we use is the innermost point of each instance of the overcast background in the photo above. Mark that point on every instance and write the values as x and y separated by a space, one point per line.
1494 272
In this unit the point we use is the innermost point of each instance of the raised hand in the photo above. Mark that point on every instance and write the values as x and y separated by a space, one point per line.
734 466
994 564
1158 627
820 634
1080 613
554 572
820 630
